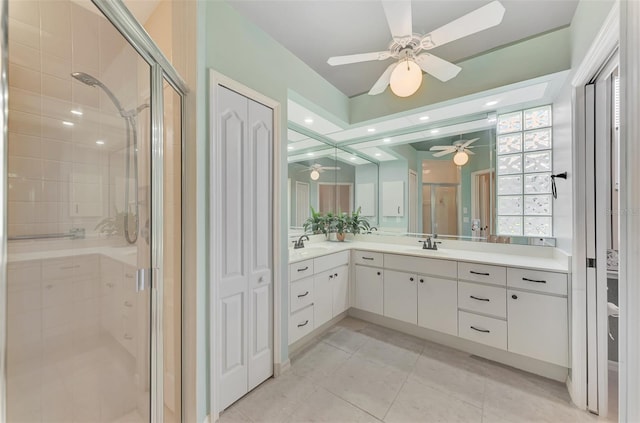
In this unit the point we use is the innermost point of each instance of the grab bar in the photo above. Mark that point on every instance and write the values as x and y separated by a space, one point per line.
75 233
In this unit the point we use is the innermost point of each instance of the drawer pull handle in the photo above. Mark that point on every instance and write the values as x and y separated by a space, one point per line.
421 280
480 330
479 299
367 258
335 275
514 296
303 295
533 280
303 269
69 267
378 273
128 337
128 275
330 276
303 324
411 279
128 304
110 284
479 273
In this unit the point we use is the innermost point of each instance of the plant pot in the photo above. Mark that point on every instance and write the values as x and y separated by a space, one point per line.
340 236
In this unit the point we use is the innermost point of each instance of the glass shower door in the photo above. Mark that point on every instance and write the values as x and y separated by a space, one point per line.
79 186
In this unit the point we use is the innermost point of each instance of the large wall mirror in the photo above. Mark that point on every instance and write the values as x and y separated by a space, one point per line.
328 179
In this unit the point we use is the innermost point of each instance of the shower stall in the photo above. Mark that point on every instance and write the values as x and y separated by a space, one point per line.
91 228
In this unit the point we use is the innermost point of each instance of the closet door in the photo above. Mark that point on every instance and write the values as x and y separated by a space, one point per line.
233 281
258 221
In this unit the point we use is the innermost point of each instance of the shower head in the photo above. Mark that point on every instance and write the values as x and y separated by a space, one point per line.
85 78
92 81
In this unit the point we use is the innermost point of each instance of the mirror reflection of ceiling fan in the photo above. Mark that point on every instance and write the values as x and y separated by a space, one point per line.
461 148
316 169
410 49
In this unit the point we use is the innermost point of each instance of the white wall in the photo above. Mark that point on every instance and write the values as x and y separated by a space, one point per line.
562 161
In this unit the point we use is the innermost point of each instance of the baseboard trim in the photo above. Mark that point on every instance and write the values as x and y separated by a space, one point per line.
531 365
280 368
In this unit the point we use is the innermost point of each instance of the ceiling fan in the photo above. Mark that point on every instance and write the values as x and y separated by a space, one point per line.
461 147
316 169
412 48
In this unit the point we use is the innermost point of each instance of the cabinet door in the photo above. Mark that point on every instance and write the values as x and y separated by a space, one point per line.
438 304
400 296
369 288
393 198
340 289
538 326
323 297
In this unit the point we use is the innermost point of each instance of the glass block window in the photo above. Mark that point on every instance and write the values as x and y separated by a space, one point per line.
524 165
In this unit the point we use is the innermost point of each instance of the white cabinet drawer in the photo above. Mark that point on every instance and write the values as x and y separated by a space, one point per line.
368 258
421 265
300 324
301 270
70 267
485 330
301 294
537 280
482 273
485 299
320 264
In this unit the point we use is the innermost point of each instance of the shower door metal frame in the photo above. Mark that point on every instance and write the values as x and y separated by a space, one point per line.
161 70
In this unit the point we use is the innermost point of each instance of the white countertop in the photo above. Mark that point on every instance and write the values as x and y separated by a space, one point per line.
530 257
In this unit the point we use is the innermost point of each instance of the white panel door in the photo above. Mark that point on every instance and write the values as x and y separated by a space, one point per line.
233 281
340 289
369 289
438 304
537 326
258 221
400 296
323 297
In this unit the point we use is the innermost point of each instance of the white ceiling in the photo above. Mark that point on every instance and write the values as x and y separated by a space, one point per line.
315 30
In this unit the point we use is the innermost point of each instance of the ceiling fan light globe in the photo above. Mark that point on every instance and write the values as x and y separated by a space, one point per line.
460 158
406 78
314 175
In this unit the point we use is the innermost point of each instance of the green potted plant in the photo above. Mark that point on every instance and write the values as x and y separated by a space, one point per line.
357 223
316 223
341 224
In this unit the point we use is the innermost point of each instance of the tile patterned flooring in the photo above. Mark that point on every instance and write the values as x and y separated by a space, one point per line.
360 372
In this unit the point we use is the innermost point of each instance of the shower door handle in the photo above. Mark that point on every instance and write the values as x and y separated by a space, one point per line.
143 279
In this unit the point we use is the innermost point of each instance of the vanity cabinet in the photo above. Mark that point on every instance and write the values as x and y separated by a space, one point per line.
538 320
318 292
369 289
438 304
400 293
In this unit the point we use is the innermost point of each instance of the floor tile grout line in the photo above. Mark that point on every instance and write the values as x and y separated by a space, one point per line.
350 403
396 397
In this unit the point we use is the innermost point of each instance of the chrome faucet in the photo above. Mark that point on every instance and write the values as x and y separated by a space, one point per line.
428 244
300 242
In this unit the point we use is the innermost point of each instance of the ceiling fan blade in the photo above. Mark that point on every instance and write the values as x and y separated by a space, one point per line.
356 58
442 147
383 81
443 153
398 13
437 67
469 142
480 19
330 168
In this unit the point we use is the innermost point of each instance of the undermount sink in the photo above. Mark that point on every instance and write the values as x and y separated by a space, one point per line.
422 250
308 251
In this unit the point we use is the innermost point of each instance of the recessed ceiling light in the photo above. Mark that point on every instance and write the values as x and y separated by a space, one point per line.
67 123
100 142
371 129
386 139
308 121
290 147
76 112
435 131
424 117
353 158
309 154
491 103
378 154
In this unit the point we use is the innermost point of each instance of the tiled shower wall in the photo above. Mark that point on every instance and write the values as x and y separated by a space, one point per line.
59 177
